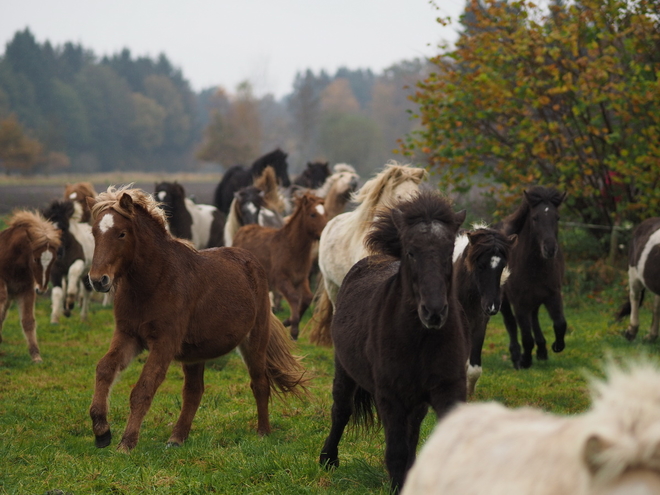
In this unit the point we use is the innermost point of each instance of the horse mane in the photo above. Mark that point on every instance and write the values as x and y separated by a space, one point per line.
276 158
300 201
375 189
426 207
267 182
40 231
84 188
532 197
343 167
110 200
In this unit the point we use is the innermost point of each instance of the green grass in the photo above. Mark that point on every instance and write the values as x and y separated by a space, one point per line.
46 442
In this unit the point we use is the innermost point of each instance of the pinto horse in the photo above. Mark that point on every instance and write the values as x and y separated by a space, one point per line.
342 241
28 248
537 270
398 332
238 177
79 192
338 189
643 273
286 253
179 304
69 271
480 258
202 224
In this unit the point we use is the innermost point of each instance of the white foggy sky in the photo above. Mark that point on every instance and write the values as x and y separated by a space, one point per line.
224 42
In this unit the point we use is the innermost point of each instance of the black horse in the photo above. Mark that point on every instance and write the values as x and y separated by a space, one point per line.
238 177
404 346
313 176
537 270
480 259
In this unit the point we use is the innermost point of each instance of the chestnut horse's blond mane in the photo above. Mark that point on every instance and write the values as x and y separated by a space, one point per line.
110 200
40 231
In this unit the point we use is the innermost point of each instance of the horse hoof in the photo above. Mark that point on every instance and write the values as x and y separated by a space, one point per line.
516 363
629 335
103 441
557 347
37 359
327 462
650 339
287 322
172 444
542 353
526 362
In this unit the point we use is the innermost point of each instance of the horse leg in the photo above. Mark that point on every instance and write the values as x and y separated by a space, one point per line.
636 289
4 304
153 374
512 329
541 348
122 351
29 324
86 296
414 423
253 351
555 309
524 319
343 388
395 424
653 332
294 298
193 388
478 335
75 272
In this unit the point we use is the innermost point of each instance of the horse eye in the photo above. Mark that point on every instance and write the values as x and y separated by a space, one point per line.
313 215
411 255
122 235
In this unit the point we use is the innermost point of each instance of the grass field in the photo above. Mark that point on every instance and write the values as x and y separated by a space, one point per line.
46 443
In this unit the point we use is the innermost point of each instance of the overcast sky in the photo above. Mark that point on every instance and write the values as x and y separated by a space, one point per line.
224 42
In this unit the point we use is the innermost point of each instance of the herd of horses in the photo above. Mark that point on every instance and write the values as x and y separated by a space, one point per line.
404 291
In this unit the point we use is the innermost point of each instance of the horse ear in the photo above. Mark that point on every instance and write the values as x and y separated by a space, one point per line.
563 197
126 202
397 218
459 218
513 239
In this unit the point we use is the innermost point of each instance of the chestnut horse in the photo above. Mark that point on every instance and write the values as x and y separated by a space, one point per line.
179 304
28 248
398 330
286 253
79 192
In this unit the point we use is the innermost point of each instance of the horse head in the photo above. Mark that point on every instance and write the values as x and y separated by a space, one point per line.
421 233
543 204
59 213
310 211
486 260
249 201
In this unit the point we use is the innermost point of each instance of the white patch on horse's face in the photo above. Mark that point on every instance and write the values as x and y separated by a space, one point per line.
320 209
46 258
251 208
162 195
437 229
106 223
495 262
73 195
547 209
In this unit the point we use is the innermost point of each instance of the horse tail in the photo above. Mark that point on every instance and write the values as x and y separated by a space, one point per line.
625 308
322 317
364 406
284 370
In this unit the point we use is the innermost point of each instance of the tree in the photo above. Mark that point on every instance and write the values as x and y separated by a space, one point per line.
18 152
566 97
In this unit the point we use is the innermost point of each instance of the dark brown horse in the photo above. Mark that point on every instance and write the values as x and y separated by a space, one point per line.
286 253
537 270
179 304
398 331
480 259
28 248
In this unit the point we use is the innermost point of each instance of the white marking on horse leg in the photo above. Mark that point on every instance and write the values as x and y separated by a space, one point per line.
107 222
635 287
653 333
46 258
56 297
75 272
85 297
495 262
473 375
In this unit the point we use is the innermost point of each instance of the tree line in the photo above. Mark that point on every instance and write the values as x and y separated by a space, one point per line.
63 109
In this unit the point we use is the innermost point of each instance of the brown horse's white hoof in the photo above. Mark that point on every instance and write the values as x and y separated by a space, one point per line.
631 332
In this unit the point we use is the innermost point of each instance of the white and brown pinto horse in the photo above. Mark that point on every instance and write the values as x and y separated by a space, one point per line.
342 242
643 274
338 189
179 304
28 248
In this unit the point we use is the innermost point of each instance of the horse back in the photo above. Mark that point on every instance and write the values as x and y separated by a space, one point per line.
644 252
259 241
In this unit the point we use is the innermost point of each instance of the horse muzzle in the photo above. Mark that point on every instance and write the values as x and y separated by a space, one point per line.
490 308
431 318
103 284
549 250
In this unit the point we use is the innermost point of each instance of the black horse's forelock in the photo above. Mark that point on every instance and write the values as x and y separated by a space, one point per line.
487 241
534 196
426 207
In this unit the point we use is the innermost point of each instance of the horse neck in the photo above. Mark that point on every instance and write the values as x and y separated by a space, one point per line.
335 203
296 233
15 252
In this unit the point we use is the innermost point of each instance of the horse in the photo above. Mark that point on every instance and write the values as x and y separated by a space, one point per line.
611 449
260 204
398 332
28 248
338 189
202 224
238 176
313 176
537 270
341 244
179 304
480 258
79 192
643 274
69 272
286 253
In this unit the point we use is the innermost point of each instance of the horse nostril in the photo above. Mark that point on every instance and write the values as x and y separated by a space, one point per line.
105 280
432 318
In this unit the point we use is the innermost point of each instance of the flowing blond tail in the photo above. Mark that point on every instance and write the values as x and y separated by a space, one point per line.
321 318
284 370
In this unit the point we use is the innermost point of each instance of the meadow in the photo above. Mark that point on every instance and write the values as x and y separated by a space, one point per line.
47 445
